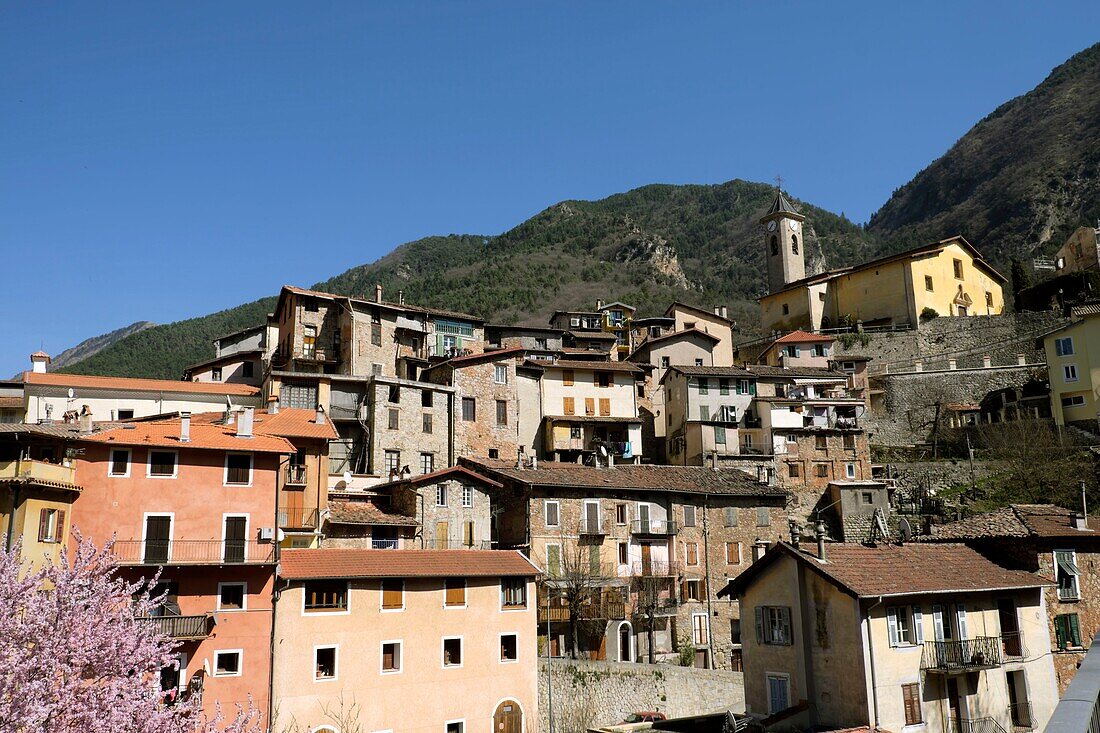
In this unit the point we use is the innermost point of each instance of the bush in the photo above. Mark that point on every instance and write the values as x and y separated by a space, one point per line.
687 651
928 314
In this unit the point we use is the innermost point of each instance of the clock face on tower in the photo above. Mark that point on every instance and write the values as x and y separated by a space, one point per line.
793 225
771 225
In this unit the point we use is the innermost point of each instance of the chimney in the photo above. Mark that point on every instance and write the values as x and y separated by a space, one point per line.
599 303
610 459
987 361
819 527
39 361
185 427
717 310
320 416
244 423
796 532
714 460
85 420
401 297
1021 359
519 458
1077 519
759 547
378 292
725 313
49 414
534 461
273 405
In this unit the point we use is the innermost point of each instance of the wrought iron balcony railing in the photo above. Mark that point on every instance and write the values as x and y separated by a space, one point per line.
975 725
962 655
657 527
591 527
1012 643
193 552
184 628
295 475
655 569
1021 718
297 518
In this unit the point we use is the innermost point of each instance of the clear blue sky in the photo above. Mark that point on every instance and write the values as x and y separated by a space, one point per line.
164 160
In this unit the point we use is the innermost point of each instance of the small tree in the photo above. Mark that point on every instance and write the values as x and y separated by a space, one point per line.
1021 280
75 656
578 581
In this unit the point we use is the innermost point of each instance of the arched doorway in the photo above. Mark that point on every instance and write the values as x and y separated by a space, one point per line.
508 718
626 638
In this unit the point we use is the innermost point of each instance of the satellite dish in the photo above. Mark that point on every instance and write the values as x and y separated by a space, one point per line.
347 477
71 393
603 450
905 529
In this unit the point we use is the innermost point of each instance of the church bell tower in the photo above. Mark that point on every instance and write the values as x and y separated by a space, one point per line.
783 243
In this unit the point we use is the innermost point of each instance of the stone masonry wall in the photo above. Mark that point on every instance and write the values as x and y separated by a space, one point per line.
592 694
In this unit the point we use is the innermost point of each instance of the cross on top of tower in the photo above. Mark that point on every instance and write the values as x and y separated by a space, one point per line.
779 182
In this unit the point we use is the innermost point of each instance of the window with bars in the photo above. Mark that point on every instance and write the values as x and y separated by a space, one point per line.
326 595
469 409
502 412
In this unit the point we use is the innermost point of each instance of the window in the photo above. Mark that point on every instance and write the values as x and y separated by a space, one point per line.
868 497
567 377
905 625
125 414
1073 401
624 553
162 463
665 362
988 299
733 553
502 412
454 592
227 663
231 596
928 283
773 625
775 245
692 590
425 398
731 516
1064 346
794 244
238 469
394 394
247 369
427 422
794 470
958 267
324 663
309 342
698 361
786 309
1067 630
310 305
552 513
391 657
513 593
763 518
540 343
692 553
821 470
723 386
452 651
1066 574
376 334
1070 372
689 515
620 514
51 525
589 406
700 629
509 647
849 470
393 461
849 442
467 496
394 419
704 385
427 463
603 379
393 594
325 596
575 432
720 435
605 407
120 462
910 697
469 409
441 495
569 406
500 374
455 726
704 413
779 693
821 443
216 374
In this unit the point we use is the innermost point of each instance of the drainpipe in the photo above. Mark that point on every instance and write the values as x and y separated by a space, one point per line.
871 655
451 428
706 567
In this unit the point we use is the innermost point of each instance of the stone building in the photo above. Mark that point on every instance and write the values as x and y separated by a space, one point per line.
1054 543
706 408
411 427
658 540
799 349
540 343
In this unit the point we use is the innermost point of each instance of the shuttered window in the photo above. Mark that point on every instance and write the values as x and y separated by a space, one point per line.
605 407
692 553
162 463
1067 630
238 468
731 516
513 593
502 412
51 525
326 595
910 695
468 534
391 656
120 462
567 377
589 406
469 409
773 625
455 593
569 406
393 594
553 560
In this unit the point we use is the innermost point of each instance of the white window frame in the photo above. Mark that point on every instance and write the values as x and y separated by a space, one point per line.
400 656
546 516
382 596
497 370
1069 373
1059 346
467 495
1072 401
335 662
441 495
526 596
240 663
345 612
443 652
171 530
706 617
247 529
251 469
244 597
501 639
850 470
694 515
584 514
111 462
1057 573
461 721
149 463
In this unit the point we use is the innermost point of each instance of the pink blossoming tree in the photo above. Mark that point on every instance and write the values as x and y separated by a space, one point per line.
76 658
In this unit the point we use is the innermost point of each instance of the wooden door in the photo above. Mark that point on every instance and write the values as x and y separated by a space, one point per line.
508 718
1010 627
235 538
647 559
954 712
158 536
442 536
292 514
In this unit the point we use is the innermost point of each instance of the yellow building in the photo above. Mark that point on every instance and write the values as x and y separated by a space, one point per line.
947 278
1073 367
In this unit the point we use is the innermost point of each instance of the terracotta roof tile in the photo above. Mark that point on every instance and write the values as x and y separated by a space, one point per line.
712 371
803 337
288 422
1016 520
358 563
56 379
366 512
442 474
601 366
166 434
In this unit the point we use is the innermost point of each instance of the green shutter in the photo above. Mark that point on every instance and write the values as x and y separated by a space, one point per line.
752 388
1074 630
439 344
553 560
1060 631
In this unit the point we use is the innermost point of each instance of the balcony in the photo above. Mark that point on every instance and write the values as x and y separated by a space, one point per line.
974 725
602 611
654 527
184 628
294 475
963 655
193 552
655 569
37 471
297 518
591 528
1021 718
1012 644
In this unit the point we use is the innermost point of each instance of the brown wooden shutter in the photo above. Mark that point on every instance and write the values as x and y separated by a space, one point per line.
567 377
391 594
605 406
43 525
456 592
468 534
569 405
60 534
387 656
589 406
596 378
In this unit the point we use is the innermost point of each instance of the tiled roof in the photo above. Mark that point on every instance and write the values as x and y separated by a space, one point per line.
1016 520
795 372
470 359
386 303
682 479
680 305
781 205
1086 309
601 366
166 434
288 422
711 371
366 512
54 379
802 337
357 563
593 335
441 475
579 351
899 570
49 430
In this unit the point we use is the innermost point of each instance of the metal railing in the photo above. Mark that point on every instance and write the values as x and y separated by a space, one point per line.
37 471
295 475
1020 716
193 552
974 725
655 569
431 543
663 527
297 518
591 527
1012 643
184 627
983 652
